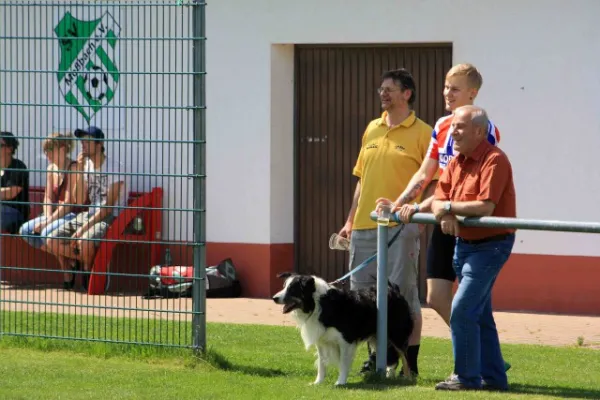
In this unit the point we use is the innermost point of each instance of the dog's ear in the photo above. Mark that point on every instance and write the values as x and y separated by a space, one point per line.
285 275
309 283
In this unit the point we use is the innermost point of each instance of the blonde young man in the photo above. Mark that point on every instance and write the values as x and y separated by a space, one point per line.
393 148
463 82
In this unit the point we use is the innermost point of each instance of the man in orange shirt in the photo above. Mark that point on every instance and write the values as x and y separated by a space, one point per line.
478 182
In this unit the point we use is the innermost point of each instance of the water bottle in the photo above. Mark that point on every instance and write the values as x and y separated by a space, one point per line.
138 226
168 259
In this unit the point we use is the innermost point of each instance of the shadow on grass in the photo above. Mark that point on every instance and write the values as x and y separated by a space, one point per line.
219 361
378 386
376 382
519 388
558 391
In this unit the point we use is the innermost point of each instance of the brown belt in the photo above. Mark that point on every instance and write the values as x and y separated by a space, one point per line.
487 239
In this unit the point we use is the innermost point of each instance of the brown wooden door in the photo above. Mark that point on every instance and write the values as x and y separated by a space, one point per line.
335 100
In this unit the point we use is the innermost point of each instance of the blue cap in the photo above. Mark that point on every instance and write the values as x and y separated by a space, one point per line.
92 131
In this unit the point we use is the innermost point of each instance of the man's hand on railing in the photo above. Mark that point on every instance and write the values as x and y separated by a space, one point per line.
406 212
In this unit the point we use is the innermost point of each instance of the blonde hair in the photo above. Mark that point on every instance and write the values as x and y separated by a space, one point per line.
58 140
473 76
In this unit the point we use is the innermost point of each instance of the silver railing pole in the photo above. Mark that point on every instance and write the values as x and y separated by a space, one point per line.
382 279
502 222
518 223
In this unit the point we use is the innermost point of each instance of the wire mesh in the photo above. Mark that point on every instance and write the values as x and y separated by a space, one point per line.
88 219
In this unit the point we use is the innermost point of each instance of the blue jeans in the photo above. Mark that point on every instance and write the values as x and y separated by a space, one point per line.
38 241
475 341
11 217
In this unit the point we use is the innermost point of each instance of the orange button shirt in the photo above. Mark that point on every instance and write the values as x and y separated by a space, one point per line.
486 174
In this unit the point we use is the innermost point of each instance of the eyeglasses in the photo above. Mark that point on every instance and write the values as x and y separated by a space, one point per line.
386 90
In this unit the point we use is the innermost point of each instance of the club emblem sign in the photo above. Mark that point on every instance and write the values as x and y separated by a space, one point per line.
87 74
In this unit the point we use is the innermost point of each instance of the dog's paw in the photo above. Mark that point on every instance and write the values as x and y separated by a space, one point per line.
317 381
340 383
390 373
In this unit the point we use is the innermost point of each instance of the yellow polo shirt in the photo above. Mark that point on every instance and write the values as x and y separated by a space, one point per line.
387 161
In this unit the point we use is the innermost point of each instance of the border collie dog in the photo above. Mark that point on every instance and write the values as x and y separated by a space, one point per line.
336 321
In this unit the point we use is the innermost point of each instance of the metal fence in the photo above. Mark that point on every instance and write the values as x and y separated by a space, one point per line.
136 70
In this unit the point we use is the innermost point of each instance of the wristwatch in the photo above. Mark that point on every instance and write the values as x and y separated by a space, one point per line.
447 206
416 205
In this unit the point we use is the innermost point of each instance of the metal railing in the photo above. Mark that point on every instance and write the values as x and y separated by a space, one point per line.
426 218
136 70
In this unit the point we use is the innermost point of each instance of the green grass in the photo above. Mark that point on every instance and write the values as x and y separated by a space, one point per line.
97 328
259 362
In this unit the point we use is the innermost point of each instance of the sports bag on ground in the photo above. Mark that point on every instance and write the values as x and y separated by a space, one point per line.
176 281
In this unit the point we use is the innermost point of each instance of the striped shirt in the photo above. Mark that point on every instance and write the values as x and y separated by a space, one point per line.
441 144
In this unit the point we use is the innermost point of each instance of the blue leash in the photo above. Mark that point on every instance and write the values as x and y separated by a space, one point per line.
368 260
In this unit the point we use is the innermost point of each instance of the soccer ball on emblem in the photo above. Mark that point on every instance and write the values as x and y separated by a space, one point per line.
96 83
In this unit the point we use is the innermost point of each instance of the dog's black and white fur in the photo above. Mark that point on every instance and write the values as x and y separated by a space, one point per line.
336 321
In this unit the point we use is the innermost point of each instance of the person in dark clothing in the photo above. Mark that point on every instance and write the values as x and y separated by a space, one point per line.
14 183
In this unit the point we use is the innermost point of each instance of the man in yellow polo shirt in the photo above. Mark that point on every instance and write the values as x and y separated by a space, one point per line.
393 148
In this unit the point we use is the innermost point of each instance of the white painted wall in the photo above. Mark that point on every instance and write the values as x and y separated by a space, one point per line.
281 205
540 86
539 58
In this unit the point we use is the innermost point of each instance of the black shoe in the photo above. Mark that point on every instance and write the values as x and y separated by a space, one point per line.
68 285
76 266
85 280
369 365
412 374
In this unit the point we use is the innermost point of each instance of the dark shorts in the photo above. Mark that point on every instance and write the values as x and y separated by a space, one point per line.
440 254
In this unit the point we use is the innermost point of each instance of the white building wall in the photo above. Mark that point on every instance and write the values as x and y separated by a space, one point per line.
539 58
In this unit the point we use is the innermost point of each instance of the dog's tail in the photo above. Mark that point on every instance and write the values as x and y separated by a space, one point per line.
400 324
400 317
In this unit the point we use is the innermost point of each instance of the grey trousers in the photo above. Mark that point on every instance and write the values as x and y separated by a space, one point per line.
402 266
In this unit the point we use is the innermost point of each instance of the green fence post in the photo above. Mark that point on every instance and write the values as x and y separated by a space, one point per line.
199 287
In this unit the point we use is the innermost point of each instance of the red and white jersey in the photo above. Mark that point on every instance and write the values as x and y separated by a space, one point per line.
441 146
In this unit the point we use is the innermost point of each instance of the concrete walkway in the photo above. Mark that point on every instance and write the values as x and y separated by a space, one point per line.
543 329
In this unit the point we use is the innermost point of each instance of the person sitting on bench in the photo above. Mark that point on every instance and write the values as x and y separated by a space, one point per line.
62 197
107 193
14 183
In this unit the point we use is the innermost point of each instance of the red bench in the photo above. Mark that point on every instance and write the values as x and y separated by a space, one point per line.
117 232
152 220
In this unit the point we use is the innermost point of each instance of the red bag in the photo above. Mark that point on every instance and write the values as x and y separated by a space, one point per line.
177 281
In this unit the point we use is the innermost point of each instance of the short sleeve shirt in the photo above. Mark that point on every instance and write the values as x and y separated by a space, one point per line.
19 177
98 182
484 175
441 146
388 159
